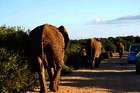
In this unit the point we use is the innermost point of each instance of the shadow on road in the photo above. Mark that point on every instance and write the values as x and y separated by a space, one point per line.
114 81
114 74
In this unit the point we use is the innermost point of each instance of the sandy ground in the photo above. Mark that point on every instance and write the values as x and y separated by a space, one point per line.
114 76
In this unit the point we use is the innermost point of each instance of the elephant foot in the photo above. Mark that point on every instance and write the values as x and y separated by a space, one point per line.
53 87
96 66
43 91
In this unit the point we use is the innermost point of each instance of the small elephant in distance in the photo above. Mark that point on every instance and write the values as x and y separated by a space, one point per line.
96 46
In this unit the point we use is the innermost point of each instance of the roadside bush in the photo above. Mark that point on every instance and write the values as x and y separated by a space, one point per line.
72 57
14 72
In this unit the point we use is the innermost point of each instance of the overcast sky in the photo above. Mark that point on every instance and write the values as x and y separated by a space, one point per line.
82 18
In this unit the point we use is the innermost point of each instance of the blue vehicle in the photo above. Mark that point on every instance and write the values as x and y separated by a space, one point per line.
133 50
138 63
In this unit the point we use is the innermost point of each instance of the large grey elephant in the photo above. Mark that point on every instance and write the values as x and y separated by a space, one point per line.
47 45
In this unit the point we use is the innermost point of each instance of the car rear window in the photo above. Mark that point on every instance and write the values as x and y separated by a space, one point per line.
135 48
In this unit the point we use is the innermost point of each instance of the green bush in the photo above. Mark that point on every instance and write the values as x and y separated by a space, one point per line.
14 72
72 57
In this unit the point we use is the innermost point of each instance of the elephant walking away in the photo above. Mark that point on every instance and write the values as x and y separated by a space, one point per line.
120 48
96 46
47 44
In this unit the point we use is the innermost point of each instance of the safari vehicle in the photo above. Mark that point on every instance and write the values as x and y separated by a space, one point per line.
138 63
134 49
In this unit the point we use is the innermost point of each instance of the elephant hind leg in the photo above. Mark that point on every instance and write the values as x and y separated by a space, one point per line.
56 77
56 64
97 62
41 72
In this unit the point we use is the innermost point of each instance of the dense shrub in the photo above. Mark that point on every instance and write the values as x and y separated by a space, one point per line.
15 71
72 58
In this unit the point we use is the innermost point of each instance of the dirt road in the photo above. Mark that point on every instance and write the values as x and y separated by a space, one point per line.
114 76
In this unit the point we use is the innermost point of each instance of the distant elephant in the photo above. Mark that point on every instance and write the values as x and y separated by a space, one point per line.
96 46
84 57
47 45
120 48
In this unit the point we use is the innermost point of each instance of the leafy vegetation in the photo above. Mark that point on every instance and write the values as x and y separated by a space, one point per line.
14 63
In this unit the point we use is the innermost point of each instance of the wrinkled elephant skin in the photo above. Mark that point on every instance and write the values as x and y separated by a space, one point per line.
47 44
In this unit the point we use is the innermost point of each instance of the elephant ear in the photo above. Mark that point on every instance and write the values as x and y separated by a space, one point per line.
65 35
